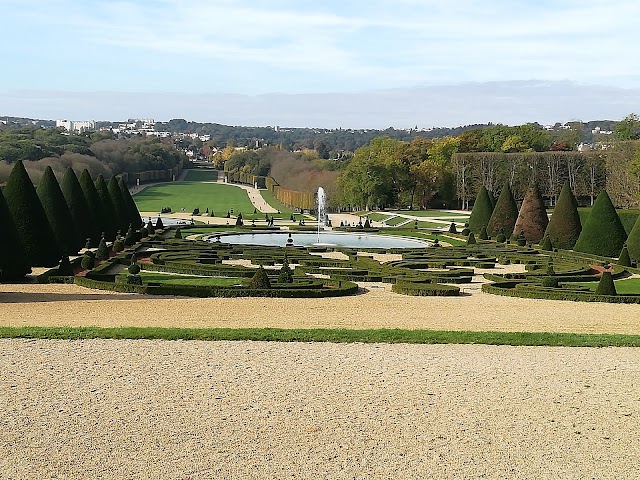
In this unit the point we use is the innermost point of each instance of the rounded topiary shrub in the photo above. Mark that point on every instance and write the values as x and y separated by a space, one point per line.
150 229
465 231
134 279
606 285
130 238
133 269
260 279
550 282
118 245
178 233
87 262
286 273
453 228
501 238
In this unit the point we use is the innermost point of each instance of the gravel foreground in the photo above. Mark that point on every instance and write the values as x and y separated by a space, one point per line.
117 409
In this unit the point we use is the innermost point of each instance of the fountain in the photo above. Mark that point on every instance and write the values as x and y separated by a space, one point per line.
321 209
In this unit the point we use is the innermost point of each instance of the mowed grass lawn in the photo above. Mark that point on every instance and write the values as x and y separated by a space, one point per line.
170 279
202 175
190 195
623 287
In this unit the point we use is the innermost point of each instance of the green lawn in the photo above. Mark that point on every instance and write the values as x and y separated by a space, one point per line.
623 287
378 217
424 236
191 195
431 213
203 175
326 335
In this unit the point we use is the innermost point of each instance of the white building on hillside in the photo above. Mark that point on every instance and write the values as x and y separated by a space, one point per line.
76 126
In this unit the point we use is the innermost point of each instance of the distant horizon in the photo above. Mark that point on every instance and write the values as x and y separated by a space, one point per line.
446 106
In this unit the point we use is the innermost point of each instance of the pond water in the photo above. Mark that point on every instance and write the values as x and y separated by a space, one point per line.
349 240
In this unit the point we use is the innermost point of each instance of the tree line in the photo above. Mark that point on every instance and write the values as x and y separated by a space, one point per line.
44 224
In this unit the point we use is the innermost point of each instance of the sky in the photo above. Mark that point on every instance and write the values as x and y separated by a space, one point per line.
358 64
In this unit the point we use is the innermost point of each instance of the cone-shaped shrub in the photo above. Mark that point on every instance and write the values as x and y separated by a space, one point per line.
150 228
564 227
119 206
133 215
633 242
504 215
13 261
453 228
35 233
65 269
482 210
483 234
134 268
95 205
103 251
57 211
130 237
624 259
603 233
532 220
471 239
79 209
159 223
178 233
286 274
546 244
87 262
118 245
260 279
109 223
606 285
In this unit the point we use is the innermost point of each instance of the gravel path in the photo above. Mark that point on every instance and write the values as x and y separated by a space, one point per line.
115 409
379 308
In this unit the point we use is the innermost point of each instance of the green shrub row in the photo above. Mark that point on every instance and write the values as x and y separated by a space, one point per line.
513 289
426 290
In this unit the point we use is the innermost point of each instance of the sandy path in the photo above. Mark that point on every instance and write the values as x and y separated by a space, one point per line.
378 308
202 410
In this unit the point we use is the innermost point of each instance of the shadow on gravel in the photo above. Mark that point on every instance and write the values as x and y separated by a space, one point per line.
28 297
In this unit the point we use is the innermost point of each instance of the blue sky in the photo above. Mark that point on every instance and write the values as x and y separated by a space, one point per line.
64 48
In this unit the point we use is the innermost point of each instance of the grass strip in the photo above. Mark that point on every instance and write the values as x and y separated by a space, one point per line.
327 335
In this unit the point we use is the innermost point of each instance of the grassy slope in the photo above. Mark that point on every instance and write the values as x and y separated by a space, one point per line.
275 203
201 176
190 195
325 335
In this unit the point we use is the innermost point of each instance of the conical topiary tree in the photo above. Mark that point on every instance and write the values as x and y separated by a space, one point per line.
606 285
133 215
482 210
79 208
532 220
546 244
286 273
119 207
603 233
260 279
57 211
178 233
103 250
35 234
564 227
159 223
109 223
483 234
504 215
94 203
471 239
633 242
453 228
624 259
13 261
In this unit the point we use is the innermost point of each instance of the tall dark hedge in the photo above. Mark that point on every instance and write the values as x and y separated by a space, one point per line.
133 215
93 201
603 233
79 208
34 231
58 214
109 222
504 215
532 220
119 207
482 210
633 242
13 261
564 227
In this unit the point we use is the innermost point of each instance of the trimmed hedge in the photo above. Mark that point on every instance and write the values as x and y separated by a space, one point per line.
426 289
514 289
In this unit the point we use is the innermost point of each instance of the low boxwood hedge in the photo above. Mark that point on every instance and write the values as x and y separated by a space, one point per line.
426 289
